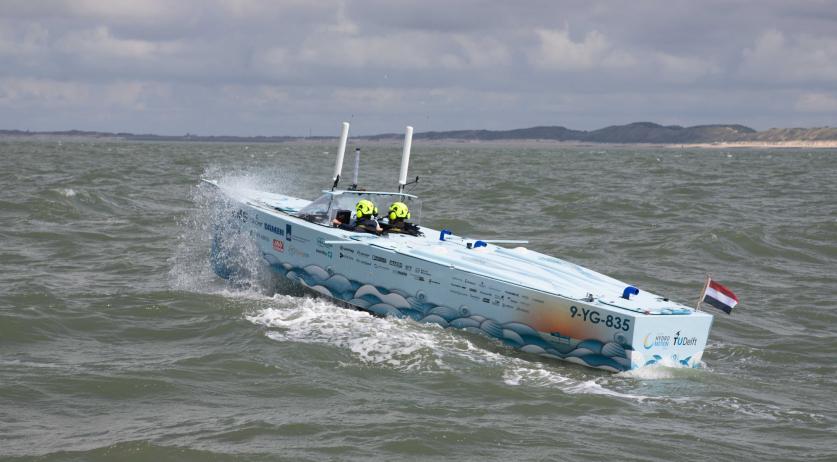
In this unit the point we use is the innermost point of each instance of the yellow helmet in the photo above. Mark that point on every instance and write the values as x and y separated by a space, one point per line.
365 208
399 210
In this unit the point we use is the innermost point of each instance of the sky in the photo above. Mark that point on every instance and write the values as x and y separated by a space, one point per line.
288 67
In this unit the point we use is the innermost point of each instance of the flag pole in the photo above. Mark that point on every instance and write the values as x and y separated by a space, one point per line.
705 285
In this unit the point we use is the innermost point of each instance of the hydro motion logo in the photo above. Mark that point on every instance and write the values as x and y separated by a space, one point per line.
656 340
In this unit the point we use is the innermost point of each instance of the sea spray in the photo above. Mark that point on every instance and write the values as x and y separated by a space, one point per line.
212 243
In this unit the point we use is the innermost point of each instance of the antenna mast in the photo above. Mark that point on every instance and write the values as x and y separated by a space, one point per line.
357 170
341 151
405 158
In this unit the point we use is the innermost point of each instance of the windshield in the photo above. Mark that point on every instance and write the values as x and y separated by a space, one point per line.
324 209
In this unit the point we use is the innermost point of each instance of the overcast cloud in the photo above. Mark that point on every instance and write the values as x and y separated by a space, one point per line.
249 67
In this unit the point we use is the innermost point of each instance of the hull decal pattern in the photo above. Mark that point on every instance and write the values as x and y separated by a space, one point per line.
611 356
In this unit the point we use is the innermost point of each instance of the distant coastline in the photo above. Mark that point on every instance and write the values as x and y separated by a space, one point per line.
634 134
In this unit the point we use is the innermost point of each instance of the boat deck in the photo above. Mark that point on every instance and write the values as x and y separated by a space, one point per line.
519 266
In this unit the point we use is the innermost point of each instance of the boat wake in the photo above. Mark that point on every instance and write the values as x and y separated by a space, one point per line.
411 347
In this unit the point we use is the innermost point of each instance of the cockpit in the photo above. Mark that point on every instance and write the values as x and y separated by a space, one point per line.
326 208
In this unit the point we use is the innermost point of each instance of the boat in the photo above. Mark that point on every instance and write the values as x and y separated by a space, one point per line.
534 302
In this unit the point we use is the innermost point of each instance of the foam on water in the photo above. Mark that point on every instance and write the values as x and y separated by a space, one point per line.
407 346
655 372
664 371
375 341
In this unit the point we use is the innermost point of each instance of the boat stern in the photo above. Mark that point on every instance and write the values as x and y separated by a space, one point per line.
674 340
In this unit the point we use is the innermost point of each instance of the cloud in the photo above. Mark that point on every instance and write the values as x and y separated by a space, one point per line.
19 92
800 57
595 52
250 66
403 50
557 51
100 43
22 39
46 93
817 102
407 50
684 69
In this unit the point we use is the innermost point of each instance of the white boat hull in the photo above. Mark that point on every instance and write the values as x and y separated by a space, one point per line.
534 302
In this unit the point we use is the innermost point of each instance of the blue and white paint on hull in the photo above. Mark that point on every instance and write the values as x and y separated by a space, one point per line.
534 302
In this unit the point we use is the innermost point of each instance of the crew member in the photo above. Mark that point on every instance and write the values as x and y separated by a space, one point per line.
364 221
398 216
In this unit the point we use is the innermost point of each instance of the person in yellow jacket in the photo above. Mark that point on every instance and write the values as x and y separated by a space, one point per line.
364 221
397 222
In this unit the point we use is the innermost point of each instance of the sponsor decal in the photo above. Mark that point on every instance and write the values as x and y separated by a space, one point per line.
288 230
298 253
278 245
274 229
656 340
379 259
683 340
402 273
486 300
321 243
347 249
362 254
513 294
325 253
263 237
396 264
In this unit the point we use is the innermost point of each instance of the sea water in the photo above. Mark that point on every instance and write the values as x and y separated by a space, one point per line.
118 342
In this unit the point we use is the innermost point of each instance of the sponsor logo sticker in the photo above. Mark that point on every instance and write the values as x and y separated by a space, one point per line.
274 229
656 340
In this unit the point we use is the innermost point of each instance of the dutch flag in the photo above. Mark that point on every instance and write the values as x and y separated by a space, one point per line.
719 296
